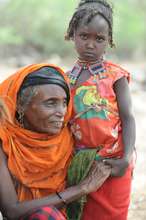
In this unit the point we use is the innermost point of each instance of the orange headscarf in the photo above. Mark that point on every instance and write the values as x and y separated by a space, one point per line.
37 162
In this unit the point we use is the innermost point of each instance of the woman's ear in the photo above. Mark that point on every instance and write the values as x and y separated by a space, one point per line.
20 112
20 115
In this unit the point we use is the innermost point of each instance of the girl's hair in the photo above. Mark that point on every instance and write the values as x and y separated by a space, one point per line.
87 9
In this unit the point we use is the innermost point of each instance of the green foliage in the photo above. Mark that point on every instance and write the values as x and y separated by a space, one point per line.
37 23
129 27
42 24
8 36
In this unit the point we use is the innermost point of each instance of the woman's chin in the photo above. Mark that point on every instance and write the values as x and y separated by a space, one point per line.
54 131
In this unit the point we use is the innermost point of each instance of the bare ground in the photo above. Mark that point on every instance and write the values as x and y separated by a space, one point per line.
137 209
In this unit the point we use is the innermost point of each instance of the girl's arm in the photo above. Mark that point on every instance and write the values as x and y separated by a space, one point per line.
121 89
13 209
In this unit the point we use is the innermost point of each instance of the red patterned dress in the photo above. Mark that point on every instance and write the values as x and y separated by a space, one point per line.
96 124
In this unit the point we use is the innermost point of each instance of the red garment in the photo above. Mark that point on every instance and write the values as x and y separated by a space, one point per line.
111 201
44 213
96 124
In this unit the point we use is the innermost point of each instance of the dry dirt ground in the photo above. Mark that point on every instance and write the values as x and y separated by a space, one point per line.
137 210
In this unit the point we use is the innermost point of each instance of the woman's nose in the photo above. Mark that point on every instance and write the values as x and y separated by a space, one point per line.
60 110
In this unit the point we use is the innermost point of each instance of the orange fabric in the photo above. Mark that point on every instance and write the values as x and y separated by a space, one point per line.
39 162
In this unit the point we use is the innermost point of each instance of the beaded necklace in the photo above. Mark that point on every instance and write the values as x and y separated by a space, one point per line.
96 69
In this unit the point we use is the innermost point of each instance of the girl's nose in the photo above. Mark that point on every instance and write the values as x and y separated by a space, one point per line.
90 44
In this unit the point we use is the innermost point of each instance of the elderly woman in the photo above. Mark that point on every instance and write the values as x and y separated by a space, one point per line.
36 146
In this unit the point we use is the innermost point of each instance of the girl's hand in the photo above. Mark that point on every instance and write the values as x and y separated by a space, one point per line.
96 177
118 166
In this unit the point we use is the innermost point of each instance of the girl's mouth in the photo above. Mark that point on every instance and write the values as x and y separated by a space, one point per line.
89 54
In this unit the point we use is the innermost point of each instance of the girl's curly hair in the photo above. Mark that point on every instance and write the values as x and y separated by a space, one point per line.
87 9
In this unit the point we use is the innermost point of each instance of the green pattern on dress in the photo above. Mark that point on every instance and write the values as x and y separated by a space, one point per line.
77 172
87 97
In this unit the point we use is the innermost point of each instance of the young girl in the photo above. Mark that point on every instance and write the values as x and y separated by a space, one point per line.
102 116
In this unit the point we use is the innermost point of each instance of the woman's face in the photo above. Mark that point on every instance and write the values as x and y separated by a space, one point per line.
45 113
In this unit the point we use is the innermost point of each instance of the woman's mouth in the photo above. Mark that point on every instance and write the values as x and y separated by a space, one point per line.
57 124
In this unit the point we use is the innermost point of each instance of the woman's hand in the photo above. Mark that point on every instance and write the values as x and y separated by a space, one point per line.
118 166
96 177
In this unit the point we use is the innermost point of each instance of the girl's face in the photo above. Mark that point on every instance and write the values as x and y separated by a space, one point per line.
45 113
91 40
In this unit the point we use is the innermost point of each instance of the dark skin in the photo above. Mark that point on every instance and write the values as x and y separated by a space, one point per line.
91 41
50 108
47 110
119 166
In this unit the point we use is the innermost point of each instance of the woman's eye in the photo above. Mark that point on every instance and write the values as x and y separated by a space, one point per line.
49 104
52 104
65 103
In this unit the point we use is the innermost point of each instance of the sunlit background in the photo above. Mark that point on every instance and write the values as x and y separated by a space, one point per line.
33 31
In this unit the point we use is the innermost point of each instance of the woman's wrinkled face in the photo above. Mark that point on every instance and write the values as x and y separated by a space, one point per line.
46 110
91 40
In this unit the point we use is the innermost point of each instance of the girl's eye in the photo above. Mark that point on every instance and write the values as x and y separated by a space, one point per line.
100 39
84 36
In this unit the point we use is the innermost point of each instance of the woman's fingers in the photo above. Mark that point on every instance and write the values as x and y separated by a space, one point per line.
97 175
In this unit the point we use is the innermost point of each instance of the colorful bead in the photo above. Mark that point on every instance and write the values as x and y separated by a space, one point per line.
95 69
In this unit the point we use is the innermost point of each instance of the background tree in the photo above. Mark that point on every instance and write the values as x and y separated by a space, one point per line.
42 24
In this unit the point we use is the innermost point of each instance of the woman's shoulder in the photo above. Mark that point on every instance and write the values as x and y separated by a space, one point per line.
3 158
1 144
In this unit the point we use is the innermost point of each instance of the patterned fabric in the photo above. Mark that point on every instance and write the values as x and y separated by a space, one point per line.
96 122
96 125
78 170
94 69
44 213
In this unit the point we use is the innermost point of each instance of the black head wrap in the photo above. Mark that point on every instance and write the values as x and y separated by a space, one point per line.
46 75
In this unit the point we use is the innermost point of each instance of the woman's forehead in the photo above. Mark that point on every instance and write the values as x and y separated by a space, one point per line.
50 90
